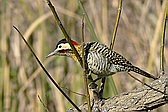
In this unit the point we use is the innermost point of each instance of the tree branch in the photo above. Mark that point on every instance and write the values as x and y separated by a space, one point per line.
140 99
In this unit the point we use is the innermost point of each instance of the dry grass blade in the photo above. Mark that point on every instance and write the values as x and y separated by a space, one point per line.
88 21
34 25
43 104
155 41
32 77
116 25
46 72
163 44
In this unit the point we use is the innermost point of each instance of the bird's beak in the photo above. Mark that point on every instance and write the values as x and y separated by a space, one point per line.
52 54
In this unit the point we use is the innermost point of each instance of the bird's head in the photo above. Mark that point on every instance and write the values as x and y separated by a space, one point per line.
63 48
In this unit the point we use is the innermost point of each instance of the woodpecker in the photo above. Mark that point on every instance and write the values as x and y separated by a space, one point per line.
100 60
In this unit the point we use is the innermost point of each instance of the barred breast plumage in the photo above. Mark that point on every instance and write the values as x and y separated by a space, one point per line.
103 61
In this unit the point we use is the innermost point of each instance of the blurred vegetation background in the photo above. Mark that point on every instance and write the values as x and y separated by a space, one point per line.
21 78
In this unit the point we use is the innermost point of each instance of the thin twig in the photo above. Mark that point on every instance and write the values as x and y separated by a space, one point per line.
116 25
145 84
45 106
46 72
84 66
162 45
58 21
74 92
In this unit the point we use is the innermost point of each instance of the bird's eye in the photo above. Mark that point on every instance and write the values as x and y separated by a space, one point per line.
59 46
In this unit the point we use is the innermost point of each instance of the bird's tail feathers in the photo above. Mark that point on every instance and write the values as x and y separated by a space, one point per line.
141 72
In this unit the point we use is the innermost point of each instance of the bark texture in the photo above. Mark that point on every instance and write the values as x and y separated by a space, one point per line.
141 99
